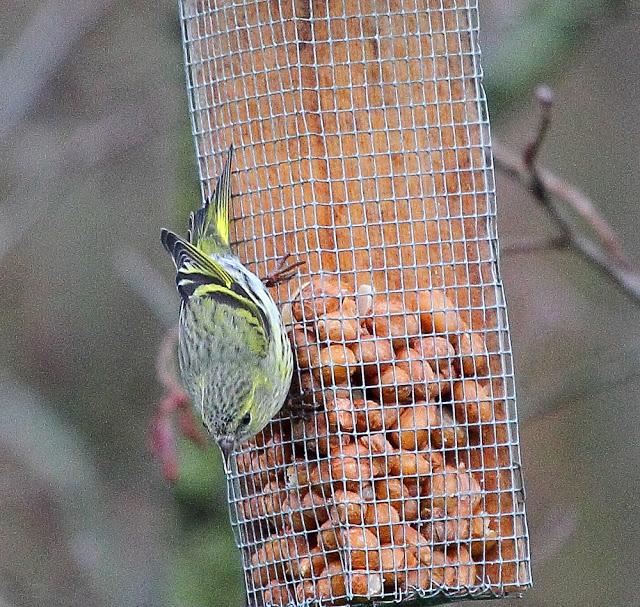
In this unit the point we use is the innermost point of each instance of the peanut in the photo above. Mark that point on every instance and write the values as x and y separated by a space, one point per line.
307 352
415 543
481 546
265 504
348 470
276 452
395 385
366 584
308 382
437 313
277 558
361 546
446 527
391 319
471 402
413 427
436 460
383 519
398 494
333 327
350 310
378 449
445 434
277 594
255 469
348 508
372 352
392 561
320 296
264 436
438 352
441 574
419 372
362 452
337 365
409 464
450 487
472 349
419 578
312 564
315 434
328 536
374 417
364 300
307 513
296 475
305 591
340 414
464 570
333 583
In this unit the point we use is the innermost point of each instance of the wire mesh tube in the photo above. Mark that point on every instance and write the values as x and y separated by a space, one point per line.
362 139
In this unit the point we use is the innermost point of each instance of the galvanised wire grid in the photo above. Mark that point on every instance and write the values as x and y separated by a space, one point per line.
362 148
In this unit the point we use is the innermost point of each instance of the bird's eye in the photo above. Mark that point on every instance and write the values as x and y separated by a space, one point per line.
246 420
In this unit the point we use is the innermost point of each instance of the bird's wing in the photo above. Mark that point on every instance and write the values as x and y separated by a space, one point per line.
209 225
198 275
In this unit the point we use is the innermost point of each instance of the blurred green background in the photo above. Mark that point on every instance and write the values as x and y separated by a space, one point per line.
97 156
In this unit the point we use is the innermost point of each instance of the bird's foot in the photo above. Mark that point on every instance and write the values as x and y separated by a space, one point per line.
283 273
162 439
302 405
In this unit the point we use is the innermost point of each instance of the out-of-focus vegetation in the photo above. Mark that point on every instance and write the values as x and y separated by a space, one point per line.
102 158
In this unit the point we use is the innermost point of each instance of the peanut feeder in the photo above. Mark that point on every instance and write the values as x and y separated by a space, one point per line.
361 143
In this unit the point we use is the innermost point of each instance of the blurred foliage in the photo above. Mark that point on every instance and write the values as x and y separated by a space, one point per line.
537 40
205 566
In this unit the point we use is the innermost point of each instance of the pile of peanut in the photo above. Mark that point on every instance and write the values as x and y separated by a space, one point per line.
370 496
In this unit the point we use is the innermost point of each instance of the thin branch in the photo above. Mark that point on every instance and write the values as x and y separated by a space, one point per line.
585 208
548 189
535 246
544 95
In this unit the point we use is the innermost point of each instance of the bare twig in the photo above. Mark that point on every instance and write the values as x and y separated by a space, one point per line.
535 246
606 254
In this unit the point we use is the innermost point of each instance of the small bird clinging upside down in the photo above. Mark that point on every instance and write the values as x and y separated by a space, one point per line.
235 358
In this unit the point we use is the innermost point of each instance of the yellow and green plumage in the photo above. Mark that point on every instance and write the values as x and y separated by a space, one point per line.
235 358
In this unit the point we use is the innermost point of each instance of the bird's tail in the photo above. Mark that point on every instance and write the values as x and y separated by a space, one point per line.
209 225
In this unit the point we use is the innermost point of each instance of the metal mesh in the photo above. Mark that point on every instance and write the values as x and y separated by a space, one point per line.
361 135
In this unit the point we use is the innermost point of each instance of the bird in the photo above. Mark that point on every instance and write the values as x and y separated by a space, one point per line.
234 354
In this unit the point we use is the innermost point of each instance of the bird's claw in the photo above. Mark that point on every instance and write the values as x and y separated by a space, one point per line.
283 272
302 405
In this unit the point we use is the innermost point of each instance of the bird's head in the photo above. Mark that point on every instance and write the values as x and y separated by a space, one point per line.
235 426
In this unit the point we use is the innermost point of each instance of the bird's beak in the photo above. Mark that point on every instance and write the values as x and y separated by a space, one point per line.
227 445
